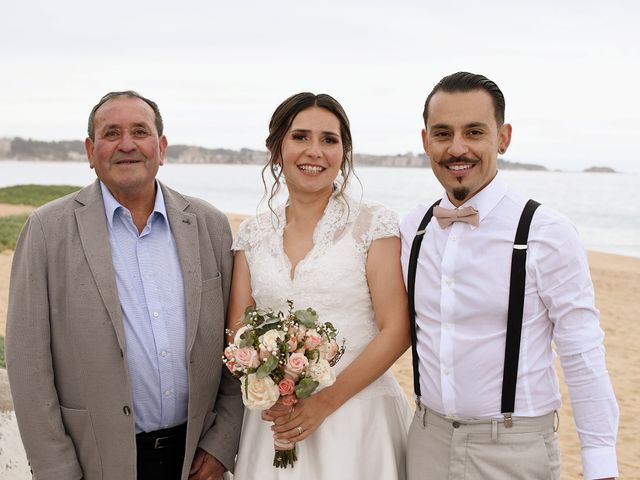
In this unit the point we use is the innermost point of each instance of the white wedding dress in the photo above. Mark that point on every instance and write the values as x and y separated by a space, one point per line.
366 437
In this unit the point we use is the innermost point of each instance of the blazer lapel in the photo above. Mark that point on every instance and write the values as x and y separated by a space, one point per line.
184 227
94 237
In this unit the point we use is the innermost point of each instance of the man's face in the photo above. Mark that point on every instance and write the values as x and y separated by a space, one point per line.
462 140
126 152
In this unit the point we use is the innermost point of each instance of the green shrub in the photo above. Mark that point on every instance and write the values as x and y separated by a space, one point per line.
10 227
35 195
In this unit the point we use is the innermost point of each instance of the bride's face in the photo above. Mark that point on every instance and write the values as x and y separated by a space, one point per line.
312 152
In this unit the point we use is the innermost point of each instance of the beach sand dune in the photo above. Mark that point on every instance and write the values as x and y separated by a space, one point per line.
617 285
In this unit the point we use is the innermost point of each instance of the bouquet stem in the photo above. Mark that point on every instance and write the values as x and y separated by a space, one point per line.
285 454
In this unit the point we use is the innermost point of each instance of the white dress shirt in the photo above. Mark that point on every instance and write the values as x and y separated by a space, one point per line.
461 299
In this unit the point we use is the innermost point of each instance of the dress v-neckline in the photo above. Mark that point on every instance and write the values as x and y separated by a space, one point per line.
318 232
291 269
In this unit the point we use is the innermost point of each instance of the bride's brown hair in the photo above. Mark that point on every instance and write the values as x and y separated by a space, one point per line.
279 125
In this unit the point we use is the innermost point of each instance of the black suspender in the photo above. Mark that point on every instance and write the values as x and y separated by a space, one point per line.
411 283
516 304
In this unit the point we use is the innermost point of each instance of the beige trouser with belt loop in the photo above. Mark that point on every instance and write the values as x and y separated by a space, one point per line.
441 448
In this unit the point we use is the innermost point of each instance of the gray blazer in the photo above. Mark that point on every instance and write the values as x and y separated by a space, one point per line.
65 344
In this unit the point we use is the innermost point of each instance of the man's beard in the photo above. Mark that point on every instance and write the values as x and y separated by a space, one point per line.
460 193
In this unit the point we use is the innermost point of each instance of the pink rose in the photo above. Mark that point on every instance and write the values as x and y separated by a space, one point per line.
288 400
296 364
231 365
329 350
247 357
286 386
293 343
313 339
264 353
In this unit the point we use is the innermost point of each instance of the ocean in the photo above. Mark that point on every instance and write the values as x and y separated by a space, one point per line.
602 206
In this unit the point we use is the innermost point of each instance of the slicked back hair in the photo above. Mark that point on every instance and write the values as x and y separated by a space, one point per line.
124 93
466 82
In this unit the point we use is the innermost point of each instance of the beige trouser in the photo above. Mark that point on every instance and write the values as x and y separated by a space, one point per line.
440 448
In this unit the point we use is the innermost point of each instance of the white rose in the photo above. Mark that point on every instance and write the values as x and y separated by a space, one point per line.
270 339
259 393
322 373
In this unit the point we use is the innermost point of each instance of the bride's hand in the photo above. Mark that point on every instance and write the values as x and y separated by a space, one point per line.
307 415
278 410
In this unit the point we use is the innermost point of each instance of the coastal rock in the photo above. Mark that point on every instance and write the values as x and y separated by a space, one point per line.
599 170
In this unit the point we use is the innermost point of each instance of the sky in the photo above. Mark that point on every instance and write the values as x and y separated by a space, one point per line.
570 70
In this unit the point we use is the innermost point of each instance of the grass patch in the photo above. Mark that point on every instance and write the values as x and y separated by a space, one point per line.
2 362
10 227
35 195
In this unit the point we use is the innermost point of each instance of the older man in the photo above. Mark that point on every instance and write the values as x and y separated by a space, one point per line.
493 282
116 318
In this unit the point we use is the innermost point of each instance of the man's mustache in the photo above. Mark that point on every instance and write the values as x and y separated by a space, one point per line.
450 160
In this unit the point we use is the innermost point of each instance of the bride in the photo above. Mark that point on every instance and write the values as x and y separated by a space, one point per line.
342 258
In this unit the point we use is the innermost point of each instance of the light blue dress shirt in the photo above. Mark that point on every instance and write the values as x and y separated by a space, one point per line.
151 293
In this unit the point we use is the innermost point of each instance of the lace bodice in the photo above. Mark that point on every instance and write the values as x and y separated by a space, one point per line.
332 276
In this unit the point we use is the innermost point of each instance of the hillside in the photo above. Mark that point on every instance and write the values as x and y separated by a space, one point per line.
73 151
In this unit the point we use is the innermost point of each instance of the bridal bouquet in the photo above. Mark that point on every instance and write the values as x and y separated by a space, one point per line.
282 357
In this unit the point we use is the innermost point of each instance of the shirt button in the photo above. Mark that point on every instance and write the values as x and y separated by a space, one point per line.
446 371
156 314
449 282
163 353
167 393
453 238
446 326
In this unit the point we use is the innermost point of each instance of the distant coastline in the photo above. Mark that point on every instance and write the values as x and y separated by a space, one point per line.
19 149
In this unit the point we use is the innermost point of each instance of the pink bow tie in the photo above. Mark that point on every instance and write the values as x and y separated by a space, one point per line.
446 216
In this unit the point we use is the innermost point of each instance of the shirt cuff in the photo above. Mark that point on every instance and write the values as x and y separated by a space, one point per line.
600 462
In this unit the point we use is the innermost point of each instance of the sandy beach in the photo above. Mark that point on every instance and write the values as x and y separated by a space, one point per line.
617 283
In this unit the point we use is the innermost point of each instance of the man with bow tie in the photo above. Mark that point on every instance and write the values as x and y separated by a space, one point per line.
493 281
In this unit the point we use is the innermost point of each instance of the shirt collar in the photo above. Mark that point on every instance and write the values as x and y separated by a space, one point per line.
485 200
111 205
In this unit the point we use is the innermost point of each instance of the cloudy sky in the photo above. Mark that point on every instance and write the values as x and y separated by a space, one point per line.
570 70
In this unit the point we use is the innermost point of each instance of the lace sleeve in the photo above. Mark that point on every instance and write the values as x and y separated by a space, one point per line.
374 222
384 224
245 236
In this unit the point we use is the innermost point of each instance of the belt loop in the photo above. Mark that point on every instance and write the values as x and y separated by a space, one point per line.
494 430
424 418
556 421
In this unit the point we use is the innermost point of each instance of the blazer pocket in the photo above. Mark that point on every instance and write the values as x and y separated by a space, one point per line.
213 282
78 425
212 297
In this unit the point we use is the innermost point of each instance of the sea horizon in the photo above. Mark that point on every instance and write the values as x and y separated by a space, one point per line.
586 198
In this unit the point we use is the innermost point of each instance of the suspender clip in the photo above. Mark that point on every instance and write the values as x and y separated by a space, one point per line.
508 421
520 247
